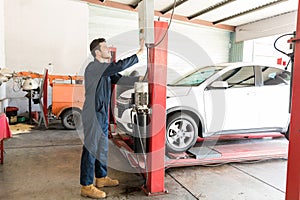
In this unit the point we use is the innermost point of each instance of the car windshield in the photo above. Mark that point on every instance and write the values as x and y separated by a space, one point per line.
197 77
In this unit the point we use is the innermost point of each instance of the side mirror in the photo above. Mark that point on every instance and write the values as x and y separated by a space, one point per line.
219 85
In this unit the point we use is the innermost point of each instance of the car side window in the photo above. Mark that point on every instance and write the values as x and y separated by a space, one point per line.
274 76
239 77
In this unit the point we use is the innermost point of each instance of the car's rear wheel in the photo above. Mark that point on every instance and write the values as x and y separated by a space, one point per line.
71 119
181 134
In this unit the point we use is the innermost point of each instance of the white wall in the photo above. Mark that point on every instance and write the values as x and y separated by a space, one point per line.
262 50
190 46
215 42
38 32
3 101
248 54
110 22
193 46
2 52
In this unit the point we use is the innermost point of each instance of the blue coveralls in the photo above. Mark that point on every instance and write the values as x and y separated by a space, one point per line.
98 78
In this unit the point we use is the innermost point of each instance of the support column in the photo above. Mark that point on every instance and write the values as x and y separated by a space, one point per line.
157 77
45 98
1 151
293 170
2 39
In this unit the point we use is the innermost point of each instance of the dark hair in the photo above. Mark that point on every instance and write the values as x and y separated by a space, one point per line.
95 45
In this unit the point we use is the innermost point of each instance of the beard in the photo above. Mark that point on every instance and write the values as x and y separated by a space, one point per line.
106 56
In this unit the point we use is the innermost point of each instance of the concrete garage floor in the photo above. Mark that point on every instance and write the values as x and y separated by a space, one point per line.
44 164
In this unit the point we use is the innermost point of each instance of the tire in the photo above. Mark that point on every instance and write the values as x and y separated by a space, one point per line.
71 119
181 133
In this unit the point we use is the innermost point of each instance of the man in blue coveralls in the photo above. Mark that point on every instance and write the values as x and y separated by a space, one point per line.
98 77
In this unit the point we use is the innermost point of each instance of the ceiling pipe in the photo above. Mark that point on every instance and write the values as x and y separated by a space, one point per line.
249 11
170 7
217 5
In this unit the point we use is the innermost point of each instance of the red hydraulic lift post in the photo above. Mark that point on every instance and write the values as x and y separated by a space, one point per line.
293 169
157 78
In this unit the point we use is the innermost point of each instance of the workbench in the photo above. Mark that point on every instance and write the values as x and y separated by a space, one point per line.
4 134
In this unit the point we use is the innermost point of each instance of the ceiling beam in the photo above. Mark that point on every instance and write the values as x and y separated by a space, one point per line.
170 7
110 4
217 5
159 14
135 4
250 11
278 24
195 21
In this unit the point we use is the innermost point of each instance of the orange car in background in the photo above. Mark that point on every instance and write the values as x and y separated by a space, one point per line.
67 102
67 98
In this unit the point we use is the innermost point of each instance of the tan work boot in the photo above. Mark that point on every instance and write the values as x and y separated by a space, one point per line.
92 192
106 181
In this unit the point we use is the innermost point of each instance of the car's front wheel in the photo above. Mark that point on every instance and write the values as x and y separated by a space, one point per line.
181 134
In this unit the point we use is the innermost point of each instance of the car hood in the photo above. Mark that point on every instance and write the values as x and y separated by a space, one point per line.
172 91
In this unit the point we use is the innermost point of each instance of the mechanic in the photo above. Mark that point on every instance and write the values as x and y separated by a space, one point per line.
98 77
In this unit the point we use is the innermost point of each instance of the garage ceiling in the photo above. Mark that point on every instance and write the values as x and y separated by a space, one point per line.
227 12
